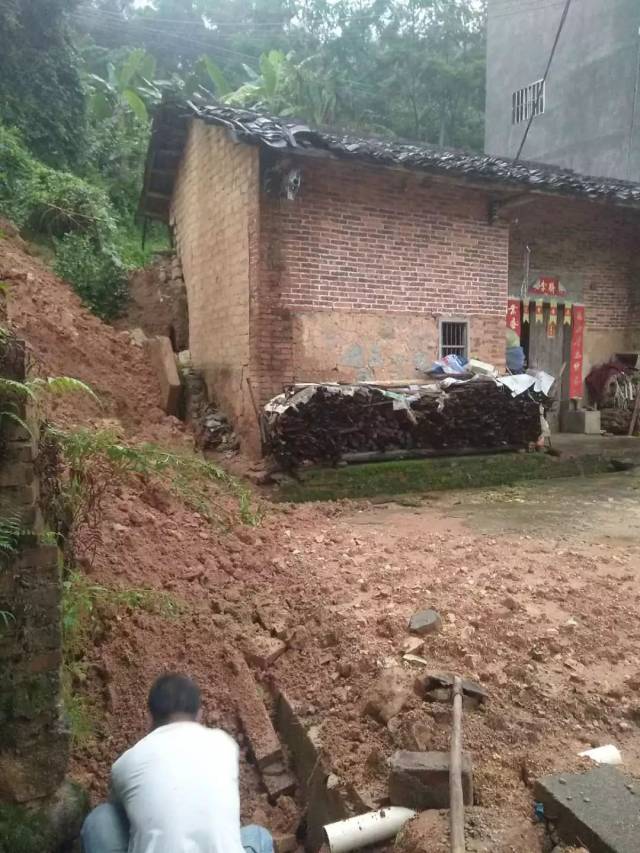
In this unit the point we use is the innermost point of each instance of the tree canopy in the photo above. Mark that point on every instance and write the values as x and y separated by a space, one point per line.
414 68
40 89
79 78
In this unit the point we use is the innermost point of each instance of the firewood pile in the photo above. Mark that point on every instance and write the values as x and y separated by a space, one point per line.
328 423
616 421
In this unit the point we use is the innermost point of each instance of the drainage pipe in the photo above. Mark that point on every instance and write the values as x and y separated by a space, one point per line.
366 829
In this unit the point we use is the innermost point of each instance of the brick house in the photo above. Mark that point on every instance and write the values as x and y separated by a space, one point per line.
310 256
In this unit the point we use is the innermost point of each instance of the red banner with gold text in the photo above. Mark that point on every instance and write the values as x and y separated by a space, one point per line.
577 349
513 316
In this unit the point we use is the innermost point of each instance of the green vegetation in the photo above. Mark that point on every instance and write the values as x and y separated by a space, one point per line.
13 394
95 457
87 609
22 830
40 89
419 476
81 77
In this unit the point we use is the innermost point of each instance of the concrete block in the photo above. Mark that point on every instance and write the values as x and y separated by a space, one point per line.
326 797
164 363
582 422
599 810
303 748
278 780
255 721
40 557
16 474
420 780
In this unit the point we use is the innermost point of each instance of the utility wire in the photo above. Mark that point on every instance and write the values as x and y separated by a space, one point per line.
634 111
371 18
541 88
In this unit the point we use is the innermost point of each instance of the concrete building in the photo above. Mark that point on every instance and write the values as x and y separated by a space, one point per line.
315 257
588 116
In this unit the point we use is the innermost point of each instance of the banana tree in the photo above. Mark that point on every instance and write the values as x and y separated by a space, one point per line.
128 88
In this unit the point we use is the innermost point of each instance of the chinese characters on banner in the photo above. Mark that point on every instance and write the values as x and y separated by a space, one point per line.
547 286
513 316
577 344
539 311
526 311
552 324
567 313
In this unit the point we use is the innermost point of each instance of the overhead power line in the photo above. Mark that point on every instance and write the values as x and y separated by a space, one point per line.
534 108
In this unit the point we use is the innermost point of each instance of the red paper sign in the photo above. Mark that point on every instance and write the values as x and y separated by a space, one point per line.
547 285
577 348
513 316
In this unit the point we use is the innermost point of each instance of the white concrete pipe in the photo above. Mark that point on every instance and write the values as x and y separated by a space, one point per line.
365 829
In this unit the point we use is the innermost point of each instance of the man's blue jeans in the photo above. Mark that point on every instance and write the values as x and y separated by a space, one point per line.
106 830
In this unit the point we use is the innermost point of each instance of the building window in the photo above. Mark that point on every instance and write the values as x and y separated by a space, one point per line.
528 102
453 338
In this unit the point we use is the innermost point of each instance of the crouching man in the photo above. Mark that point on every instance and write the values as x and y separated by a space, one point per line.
176 790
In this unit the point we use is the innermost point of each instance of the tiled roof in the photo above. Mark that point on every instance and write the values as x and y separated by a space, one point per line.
170 129
280 133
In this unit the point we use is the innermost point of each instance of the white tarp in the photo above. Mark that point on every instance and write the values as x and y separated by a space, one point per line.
540 381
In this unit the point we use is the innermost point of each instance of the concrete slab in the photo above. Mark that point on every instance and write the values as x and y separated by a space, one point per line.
326 796
164 363
420 780
599 810
255 721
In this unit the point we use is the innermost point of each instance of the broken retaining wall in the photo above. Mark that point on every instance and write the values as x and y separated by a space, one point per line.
37 806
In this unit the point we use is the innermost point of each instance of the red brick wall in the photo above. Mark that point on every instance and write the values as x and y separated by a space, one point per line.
215 211
594 250
365 241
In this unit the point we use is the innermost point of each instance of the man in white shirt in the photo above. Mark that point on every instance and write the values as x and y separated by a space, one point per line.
176 790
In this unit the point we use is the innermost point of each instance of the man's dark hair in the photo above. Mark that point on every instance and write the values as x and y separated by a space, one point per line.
173 694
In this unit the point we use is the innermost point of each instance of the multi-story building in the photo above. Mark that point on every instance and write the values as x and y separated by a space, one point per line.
587 112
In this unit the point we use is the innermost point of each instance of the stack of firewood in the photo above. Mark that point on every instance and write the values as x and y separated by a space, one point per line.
329 424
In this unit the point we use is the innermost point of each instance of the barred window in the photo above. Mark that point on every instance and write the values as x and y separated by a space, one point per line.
453 338
528 102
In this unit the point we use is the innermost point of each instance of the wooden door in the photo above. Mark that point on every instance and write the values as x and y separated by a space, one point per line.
549 354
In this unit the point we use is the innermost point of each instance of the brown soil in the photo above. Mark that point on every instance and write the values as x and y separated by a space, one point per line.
548 624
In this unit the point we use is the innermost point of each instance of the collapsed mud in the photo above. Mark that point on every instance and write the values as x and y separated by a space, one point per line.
548 623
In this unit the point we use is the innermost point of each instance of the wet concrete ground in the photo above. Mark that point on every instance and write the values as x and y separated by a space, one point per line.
579 509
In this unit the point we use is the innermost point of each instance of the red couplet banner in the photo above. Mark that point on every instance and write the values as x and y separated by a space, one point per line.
513 316
577 350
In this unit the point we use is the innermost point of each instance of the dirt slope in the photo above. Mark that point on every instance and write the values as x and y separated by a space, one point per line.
65 339
548 622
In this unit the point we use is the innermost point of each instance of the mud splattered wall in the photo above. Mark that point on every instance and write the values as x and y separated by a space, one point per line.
357 271
215 213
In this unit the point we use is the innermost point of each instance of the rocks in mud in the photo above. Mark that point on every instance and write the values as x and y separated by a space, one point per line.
262 651
413 646
425 622
429 830
389 694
